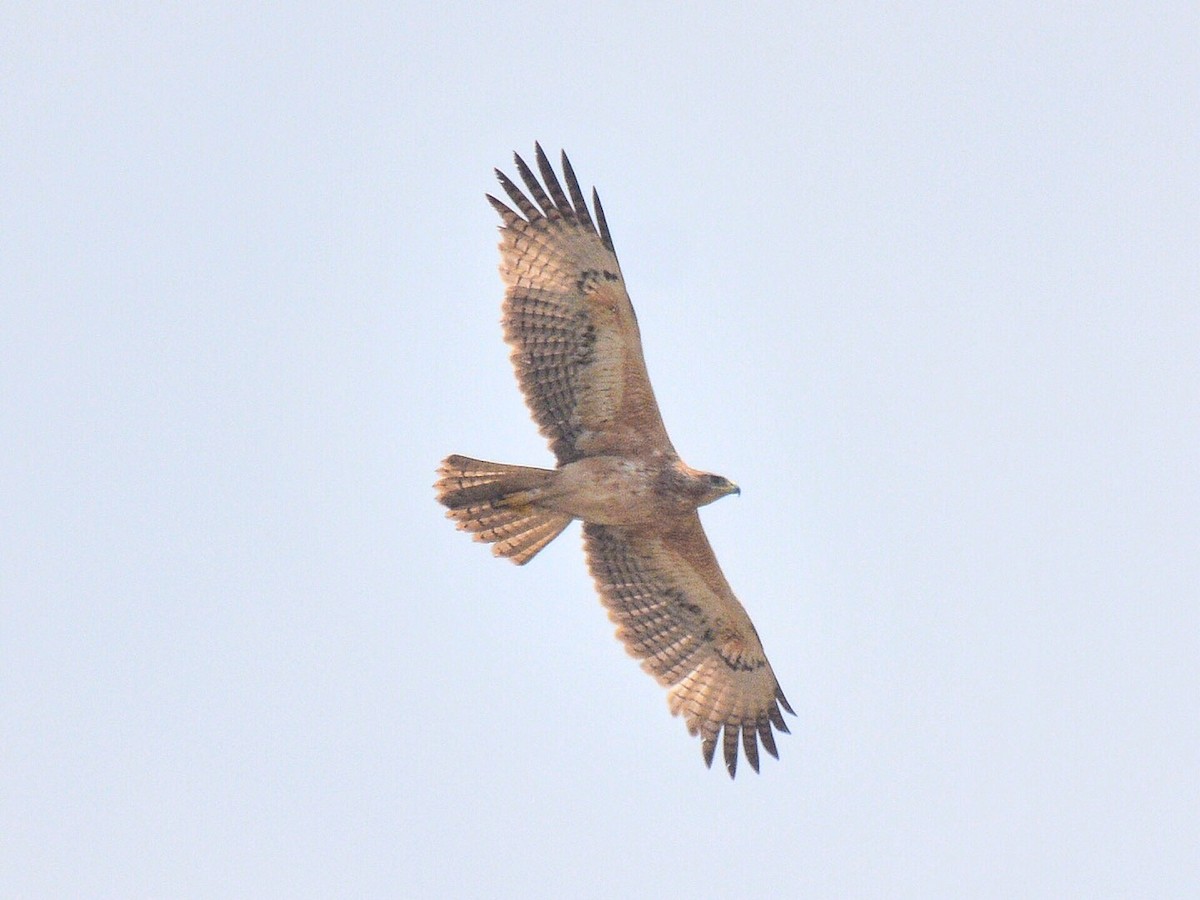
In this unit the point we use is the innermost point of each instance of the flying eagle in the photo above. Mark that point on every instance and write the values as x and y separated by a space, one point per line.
578 357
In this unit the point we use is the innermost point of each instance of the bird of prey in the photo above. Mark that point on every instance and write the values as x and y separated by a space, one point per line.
578 358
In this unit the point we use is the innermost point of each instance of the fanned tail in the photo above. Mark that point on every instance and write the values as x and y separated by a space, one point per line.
495 502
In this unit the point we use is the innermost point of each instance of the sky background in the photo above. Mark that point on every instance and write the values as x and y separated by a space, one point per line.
925 283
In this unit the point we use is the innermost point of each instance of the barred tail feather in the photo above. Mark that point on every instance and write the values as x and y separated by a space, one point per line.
493 501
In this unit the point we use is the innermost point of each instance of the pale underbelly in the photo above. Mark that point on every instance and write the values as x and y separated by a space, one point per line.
608 490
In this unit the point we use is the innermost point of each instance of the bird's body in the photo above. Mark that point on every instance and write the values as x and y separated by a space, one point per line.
578 357
607 490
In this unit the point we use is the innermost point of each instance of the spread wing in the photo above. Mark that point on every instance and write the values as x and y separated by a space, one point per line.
676 612
574 337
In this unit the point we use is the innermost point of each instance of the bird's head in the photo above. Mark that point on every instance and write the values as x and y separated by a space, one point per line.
712 487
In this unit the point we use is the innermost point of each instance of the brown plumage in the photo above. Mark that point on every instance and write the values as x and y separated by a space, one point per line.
578 358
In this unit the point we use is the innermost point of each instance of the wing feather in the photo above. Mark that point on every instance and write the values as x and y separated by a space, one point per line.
750 745
559 199
549 210
575 342
528 210
605 237
675 611
577 201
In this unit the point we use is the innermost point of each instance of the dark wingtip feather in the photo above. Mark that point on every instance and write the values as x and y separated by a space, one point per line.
750 745
767 737
777 718
581 207
708 746
731 750
540 156
605 236
518 197
505 213
561 203
782 699
549 210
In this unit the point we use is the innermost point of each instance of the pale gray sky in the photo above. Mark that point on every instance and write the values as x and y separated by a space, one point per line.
925 284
